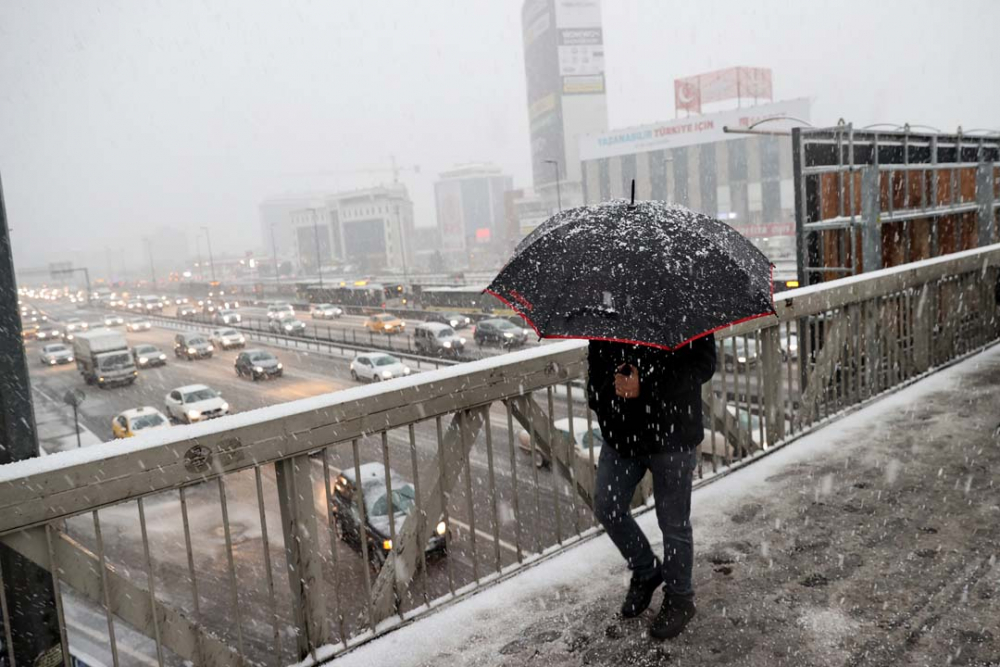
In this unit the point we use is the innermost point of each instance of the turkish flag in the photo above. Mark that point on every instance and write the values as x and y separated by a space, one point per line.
687 95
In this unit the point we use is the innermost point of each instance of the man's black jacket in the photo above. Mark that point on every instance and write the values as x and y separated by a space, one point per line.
666 416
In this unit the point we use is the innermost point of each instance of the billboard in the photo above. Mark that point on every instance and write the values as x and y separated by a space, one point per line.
733 83
563 57
686 131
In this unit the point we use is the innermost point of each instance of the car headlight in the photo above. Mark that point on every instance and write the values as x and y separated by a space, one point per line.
387 545
191 350
242 339
288 327
462 341
258 369
211 348
280 367
507 334
52 362
467 320
163 357
447 344
225 406
69 358
527 332
193 414
741 360
453 323
442 528
387 374
143 360
406 370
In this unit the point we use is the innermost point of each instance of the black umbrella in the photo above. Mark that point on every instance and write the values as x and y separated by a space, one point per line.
652 273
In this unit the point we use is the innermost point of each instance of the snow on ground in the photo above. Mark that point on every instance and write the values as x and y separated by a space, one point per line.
873 541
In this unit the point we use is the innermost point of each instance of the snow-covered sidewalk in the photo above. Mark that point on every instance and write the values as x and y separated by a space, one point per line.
873 541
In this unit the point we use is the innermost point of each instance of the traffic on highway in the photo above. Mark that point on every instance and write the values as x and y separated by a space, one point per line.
178 372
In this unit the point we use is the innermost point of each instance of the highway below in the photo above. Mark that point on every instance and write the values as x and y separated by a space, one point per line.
540 515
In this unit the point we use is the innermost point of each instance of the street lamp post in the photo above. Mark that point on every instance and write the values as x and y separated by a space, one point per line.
211 260
152 267
319 262
555 163
274 254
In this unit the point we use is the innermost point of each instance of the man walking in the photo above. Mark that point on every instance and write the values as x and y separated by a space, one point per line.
648 405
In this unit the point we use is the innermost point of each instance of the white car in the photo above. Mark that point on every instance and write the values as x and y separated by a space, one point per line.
75 324
195 403
325 311
585 439
278 309
138 324
227 316
227 338
57 353
113 320
378 366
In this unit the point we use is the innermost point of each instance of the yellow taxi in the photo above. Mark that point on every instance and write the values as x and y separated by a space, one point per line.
385 323
132 421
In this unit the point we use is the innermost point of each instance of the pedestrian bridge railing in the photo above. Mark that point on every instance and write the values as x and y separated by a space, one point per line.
247 540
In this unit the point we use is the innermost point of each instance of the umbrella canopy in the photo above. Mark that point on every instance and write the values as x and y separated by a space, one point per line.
652 273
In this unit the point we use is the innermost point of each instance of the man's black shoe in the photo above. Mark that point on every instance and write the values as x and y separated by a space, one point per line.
674 616
640 592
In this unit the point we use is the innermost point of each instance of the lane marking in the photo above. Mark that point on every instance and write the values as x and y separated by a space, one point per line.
486 536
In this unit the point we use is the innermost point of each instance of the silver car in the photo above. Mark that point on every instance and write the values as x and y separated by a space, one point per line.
57 353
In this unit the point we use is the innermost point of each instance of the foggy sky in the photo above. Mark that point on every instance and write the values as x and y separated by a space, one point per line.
119 117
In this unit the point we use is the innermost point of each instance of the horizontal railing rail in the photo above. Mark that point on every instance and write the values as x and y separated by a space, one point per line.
308 527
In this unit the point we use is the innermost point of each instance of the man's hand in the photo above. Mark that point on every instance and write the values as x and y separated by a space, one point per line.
627 381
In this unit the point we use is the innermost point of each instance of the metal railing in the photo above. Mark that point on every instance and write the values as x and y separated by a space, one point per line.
279 534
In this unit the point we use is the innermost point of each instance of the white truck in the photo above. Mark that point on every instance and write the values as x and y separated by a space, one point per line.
103 357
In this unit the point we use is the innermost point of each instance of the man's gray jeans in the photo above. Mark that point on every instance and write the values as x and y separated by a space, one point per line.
672 473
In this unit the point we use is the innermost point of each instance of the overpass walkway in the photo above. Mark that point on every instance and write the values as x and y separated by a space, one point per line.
871 541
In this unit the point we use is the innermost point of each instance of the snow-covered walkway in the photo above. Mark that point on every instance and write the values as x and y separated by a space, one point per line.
873 541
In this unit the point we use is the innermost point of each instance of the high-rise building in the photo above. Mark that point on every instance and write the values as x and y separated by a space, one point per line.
470 211
275 222
564 66
367 229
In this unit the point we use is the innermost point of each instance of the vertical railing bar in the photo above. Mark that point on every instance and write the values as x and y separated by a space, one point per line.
266 546
513 480
711 410
493 487
190 558
789 399
725 402
444 497
60 610
802 381
106 595
550 429
232 563
359 500
528 403
466 446
761 397
741 446
5 617
590 434
746 389
393 542
150 582
573 456
420 515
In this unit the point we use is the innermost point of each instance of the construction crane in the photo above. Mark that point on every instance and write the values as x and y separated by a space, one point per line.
394 168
